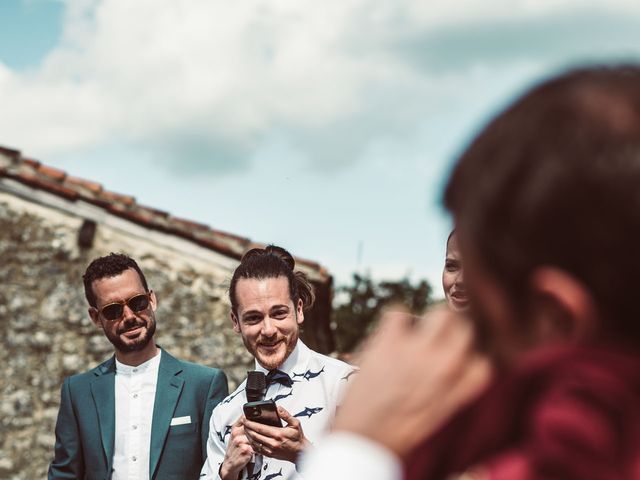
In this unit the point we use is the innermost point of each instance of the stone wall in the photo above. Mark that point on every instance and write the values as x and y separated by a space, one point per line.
46 333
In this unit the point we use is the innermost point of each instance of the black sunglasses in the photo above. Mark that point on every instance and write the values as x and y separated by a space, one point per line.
115 310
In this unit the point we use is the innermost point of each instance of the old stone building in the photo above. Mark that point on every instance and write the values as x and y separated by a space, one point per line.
51 226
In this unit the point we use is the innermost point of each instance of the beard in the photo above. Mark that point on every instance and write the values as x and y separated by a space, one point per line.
274 360
135 344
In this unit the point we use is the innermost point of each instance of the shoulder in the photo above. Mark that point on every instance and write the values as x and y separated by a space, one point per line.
89 375
79 384
231 406
331 365
191 369
201 370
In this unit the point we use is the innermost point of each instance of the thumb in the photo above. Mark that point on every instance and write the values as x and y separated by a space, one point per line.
286 416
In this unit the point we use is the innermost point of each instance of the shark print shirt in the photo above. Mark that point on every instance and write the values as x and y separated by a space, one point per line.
318 386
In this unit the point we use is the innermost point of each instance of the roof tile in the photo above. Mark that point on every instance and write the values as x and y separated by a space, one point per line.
31 162
93 187
117 198
33 173
51 172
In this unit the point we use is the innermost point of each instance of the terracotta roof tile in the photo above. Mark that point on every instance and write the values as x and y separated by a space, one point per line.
31 162
33 173
51 172
117 197
190 224
43 185
80 182
10 152
154 211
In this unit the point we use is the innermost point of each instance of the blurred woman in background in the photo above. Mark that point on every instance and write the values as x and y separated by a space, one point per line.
453 277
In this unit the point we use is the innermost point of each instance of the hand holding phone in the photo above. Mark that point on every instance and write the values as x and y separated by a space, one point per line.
273 431
264 412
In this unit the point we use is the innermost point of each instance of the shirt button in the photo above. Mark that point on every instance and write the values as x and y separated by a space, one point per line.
133 458
135 370
135 427
135 395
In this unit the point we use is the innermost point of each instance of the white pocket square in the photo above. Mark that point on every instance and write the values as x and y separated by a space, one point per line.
180 420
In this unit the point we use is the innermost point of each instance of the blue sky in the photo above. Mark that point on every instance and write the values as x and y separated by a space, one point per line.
328 128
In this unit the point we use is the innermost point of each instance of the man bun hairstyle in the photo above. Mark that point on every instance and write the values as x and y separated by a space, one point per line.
272 262
109 266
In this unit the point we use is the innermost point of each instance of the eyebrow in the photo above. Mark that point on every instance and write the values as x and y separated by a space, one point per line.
258 312
279 306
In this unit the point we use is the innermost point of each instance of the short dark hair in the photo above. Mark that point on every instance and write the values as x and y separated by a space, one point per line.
108 266
272 262
555 180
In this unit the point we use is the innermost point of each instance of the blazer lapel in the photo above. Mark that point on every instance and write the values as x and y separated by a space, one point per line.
103 392
168 391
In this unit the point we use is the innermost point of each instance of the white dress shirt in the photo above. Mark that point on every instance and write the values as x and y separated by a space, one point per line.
135 395
319 383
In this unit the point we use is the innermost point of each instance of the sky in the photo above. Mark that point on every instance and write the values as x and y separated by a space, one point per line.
328 128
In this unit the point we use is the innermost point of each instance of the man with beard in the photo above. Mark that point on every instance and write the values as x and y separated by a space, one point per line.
268 301
142 414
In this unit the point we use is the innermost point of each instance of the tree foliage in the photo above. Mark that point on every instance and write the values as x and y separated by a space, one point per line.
356 306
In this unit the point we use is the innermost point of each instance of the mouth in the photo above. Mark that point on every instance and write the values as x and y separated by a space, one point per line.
460 297
269 347
133 332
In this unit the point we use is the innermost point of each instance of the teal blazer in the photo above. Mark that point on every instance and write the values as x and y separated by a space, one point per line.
85 428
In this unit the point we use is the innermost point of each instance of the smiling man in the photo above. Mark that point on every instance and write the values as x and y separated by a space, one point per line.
142 414
268 301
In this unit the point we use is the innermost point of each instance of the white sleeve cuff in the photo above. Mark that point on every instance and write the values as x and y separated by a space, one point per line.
344 456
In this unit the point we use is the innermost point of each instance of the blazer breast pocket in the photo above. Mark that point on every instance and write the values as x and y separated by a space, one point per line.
185 428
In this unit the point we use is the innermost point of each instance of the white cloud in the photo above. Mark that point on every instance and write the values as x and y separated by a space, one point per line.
215 81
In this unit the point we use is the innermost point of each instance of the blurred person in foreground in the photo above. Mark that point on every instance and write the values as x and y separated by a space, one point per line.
142 414
544 381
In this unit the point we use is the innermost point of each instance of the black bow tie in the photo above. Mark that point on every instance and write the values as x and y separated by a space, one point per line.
278 376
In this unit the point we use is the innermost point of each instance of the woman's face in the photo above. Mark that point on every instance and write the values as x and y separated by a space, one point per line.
453 279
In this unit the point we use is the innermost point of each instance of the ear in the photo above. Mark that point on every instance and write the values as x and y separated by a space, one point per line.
300 312
153 301
95 317
563 307
236 323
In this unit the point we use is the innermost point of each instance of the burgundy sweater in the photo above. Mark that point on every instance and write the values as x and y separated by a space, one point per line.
570 414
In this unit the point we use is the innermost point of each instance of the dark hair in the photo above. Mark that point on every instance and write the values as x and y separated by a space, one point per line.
555 180
109 266
272 262
451 234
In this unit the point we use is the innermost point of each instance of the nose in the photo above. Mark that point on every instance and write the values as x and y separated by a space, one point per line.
268 327
127 313
459 281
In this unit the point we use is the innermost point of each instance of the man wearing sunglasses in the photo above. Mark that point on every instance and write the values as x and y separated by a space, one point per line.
142 414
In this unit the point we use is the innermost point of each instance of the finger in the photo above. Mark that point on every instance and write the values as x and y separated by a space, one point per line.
289 419
240 421
260 441
256 427
436 320
475 379
444 330
393 325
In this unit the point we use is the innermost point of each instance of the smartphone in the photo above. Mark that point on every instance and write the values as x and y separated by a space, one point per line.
264 412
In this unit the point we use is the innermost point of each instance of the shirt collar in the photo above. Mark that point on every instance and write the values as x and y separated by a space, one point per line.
298 356
149 366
